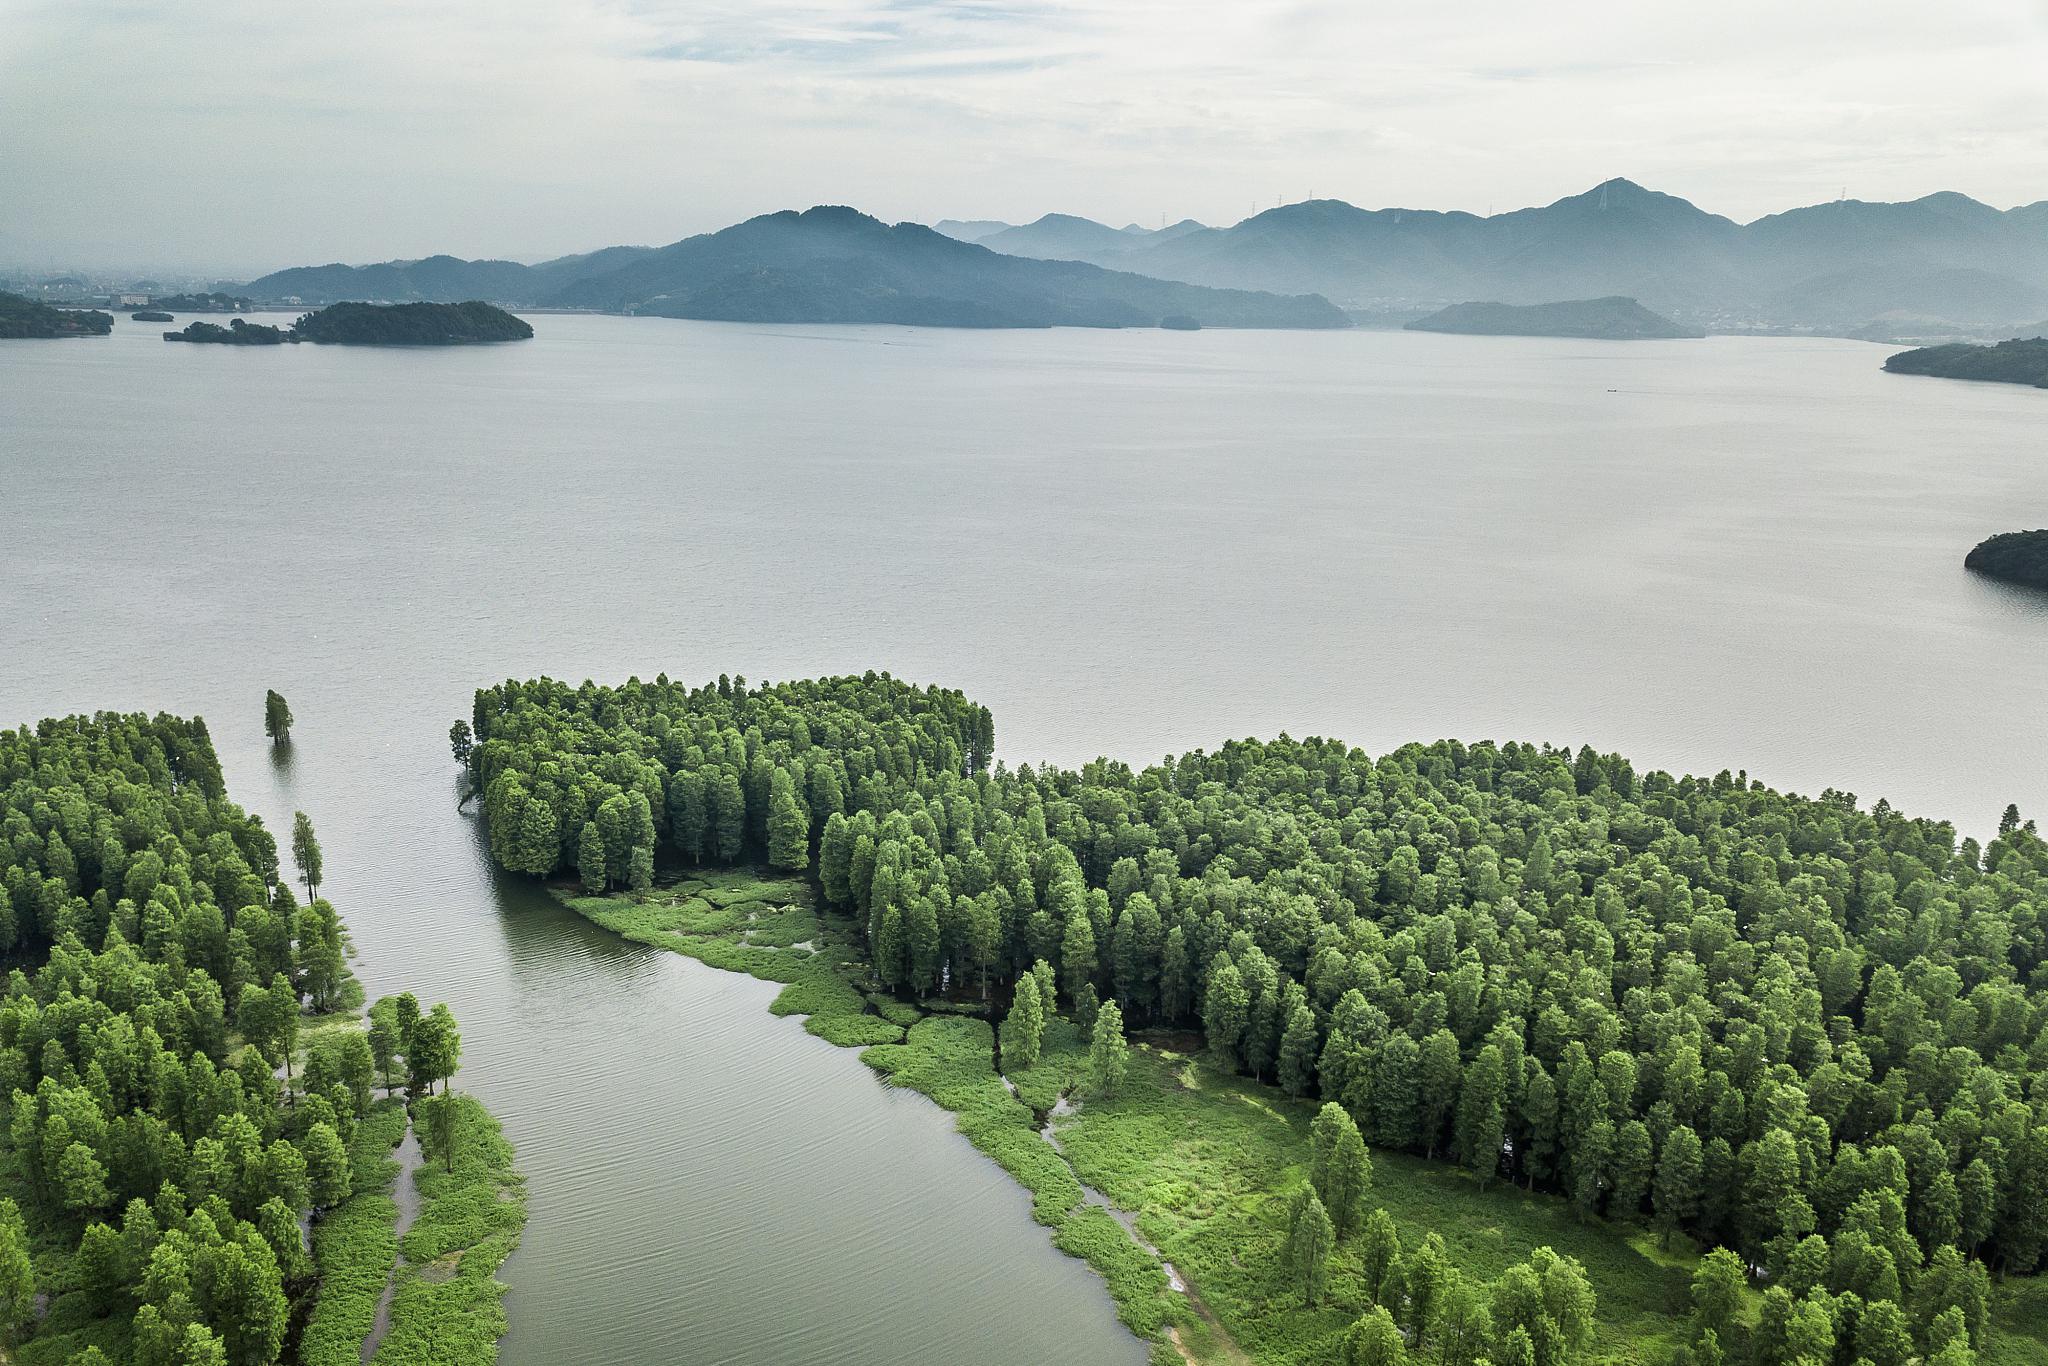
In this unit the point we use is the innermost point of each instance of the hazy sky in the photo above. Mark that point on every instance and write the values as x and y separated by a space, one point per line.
241 135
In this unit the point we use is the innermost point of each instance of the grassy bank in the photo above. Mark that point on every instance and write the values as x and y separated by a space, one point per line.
449 1309
356 1245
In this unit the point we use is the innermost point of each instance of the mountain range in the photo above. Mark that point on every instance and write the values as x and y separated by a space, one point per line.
1944 262
823 265
1941 258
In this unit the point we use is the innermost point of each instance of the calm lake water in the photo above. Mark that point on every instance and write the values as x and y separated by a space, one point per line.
1737 553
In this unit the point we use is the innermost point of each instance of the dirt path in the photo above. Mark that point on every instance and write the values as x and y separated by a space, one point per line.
406 1195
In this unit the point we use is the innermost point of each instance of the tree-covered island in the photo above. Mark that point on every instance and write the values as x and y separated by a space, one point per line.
467 324
2015 556
237 333
1652 1069
2018 361
23 318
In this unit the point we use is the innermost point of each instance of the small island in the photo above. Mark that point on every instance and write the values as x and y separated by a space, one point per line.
236 333
2019 361
2014 556
1180 322
28 318
468 324
149 315
1615 318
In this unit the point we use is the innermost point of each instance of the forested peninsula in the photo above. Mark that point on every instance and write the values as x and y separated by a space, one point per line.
2018 361
2015 556
467 324
192 1087
22 318
1652 1068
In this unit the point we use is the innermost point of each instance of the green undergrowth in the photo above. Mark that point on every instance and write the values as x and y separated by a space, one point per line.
1209 1161
449 1308
356 1245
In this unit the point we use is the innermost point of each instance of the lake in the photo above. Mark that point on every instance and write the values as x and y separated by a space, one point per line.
1731 553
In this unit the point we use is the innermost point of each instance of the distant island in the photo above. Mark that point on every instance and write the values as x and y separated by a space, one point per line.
466 324
2019 361
150 315
1180 322
236 333
212 302
2015 556
1614 318
27 318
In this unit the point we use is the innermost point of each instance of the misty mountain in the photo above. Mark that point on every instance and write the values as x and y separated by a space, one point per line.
436 279
1942 264
1827 267
970 229
1063 237
1611 319
832 264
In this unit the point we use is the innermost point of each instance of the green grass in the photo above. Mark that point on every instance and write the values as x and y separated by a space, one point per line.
1209 1159
356 1245
449 1307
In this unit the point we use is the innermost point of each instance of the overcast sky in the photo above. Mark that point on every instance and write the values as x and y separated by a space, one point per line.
237 136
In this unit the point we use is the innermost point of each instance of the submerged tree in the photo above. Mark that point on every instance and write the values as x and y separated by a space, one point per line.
277 718
306 853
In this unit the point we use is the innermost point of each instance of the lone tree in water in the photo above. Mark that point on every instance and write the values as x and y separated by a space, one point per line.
306 853
277 718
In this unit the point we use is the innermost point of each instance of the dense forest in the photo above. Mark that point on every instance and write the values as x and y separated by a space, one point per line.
236 333
2019 361
372 325
167 1132
2017 556
1800 1030
30 318
412 325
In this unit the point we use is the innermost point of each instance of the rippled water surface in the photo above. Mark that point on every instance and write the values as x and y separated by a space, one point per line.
1732 553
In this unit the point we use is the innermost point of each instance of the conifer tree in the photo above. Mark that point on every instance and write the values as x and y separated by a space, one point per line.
1310 1239
277 718
1339 1169
1023 1027
1109 1056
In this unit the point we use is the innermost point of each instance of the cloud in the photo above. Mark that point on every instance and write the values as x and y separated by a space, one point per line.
238 135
